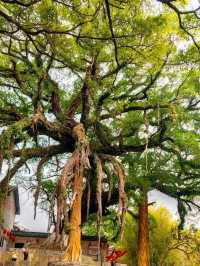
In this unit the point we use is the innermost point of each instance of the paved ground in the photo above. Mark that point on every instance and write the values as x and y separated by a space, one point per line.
43 258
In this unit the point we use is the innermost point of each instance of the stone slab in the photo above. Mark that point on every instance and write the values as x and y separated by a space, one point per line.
64 264
10 263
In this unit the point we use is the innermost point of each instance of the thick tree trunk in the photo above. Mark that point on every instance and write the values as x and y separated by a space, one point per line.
73 252
81 163
143 234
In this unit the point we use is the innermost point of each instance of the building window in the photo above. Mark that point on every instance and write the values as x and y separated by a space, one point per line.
19 245
1 241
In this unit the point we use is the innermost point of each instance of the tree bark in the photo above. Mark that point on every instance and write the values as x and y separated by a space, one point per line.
143 234
73 252
81 164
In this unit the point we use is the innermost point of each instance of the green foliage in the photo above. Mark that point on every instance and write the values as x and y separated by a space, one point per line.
165 246
135 68
109 229
14 131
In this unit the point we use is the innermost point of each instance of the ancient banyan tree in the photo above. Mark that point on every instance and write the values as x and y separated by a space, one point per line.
87 88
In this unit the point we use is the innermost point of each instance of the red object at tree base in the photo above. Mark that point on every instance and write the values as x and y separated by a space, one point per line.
116 254
4 231
8 233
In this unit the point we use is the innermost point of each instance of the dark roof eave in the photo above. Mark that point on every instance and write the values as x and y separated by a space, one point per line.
45 235
92 238
30 234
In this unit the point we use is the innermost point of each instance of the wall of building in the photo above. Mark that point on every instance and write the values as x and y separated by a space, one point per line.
27 241
90 248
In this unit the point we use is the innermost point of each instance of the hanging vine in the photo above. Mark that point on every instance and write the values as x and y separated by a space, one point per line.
146 123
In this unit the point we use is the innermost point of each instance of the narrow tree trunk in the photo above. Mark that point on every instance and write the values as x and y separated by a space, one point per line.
143 234
73 252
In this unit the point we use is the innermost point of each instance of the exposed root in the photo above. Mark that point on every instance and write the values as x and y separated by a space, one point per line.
39 180
100 175
119 171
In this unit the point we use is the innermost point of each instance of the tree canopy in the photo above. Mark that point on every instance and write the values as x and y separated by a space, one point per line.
89 86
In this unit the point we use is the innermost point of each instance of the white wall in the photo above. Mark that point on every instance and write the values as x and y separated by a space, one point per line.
26 218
